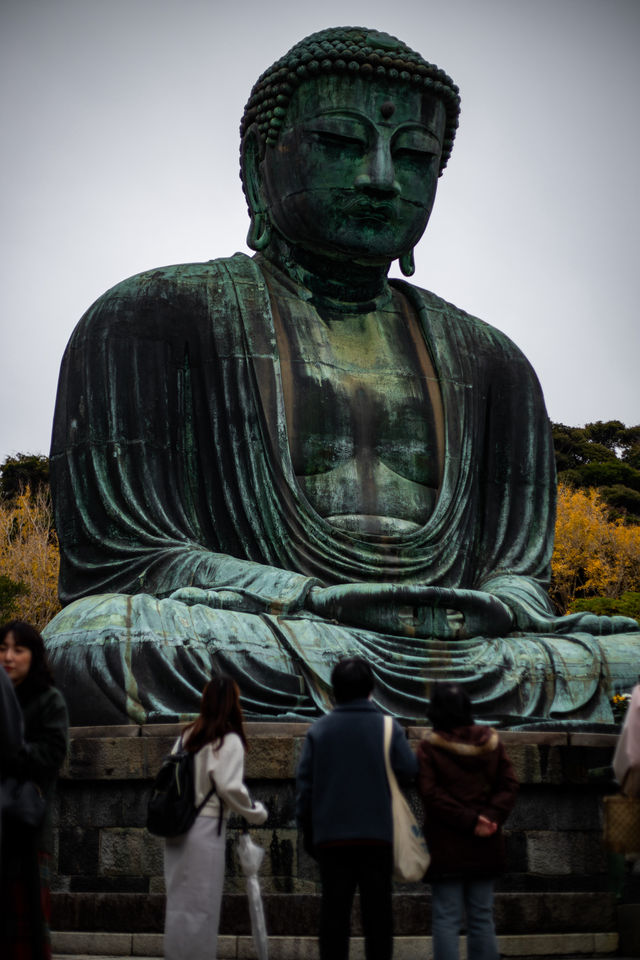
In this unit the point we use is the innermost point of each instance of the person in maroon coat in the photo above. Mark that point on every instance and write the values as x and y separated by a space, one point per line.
468 789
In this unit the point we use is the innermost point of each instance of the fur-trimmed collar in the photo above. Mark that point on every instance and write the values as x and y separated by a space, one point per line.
464 749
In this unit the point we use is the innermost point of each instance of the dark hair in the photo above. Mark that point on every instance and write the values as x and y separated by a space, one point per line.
220 714
39 677
449 707
347 51
351 679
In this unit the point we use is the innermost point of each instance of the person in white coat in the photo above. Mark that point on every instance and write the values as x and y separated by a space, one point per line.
194 863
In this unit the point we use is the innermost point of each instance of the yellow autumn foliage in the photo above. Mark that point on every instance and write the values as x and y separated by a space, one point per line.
29 555
593 555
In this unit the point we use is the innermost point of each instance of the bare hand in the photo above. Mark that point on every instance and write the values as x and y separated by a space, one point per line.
485 827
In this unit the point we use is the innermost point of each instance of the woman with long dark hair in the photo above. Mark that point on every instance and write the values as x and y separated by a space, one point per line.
26 850
194 863
468 788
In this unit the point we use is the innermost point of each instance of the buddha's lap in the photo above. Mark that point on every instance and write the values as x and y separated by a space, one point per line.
147 659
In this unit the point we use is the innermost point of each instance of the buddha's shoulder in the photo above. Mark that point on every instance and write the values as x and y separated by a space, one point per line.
182 277
163 296
463 326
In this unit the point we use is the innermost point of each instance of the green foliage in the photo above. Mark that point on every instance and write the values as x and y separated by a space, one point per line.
604 456
607 434
24 470
627 605
10 590
622 501
608 474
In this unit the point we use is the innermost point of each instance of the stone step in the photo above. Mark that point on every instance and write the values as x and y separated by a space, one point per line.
545 946
296 915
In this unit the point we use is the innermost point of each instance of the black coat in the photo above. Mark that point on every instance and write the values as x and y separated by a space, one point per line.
46 730
342 788
464 774
22 921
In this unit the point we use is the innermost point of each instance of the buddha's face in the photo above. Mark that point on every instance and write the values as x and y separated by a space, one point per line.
354 172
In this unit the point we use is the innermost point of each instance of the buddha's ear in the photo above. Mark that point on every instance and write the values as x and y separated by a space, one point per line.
408 263
251 154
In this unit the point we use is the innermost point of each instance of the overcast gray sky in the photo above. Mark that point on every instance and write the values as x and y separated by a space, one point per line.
120 131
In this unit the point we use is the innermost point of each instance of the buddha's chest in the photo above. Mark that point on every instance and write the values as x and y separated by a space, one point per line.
339 410
363 412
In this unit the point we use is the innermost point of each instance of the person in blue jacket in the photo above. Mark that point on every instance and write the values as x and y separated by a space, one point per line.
343 807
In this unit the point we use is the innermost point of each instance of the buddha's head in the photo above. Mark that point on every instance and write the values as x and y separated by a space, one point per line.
343 141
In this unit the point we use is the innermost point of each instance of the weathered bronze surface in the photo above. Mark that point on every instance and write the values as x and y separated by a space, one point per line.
262 465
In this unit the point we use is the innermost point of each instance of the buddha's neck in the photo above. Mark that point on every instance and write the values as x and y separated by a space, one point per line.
338 281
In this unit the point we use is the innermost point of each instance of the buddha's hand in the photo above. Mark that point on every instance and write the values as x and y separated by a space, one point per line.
412 610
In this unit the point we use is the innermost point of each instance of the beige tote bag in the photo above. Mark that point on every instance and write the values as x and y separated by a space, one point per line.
410 854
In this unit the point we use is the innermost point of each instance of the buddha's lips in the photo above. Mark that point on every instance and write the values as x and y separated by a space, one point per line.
363 208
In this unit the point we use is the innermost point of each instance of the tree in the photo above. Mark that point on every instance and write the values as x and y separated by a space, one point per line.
21 471
9 591
604 455
29 558
594 555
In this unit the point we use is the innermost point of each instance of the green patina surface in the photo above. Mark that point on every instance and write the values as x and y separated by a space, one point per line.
262 465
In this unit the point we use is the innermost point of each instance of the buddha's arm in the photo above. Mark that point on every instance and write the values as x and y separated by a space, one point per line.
516 524
142 457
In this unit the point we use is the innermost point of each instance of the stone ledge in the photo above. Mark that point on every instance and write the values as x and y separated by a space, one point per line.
297 914
135 753
275 728
139 758
306 948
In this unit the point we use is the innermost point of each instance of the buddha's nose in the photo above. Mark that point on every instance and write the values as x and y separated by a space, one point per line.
379 173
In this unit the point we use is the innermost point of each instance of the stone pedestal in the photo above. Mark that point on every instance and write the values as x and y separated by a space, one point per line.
108 869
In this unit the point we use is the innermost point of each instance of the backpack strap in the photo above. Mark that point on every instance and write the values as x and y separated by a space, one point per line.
213 786
208 797
206 800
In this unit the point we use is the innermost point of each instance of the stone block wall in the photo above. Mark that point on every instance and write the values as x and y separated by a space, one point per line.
553 835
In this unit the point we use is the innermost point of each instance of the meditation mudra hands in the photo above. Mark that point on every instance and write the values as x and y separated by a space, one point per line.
413 610
405 610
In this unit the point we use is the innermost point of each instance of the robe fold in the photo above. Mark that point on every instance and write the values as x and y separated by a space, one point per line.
187 545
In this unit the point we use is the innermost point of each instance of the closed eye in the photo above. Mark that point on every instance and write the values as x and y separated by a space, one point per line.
418 144
413 152
337 139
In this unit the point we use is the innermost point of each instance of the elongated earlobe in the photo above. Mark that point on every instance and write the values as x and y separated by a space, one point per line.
259 231
259 234
407 264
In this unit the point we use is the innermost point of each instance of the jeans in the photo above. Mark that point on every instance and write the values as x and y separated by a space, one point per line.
342 869
450 899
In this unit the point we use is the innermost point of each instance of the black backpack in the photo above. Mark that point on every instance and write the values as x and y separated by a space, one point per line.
172 808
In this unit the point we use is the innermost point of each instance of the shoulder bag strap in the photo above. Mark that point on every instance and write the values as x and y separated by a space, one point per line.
391 777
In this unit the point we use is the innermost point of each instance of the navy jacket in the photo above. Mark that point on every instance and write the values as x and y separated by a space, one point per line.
342 788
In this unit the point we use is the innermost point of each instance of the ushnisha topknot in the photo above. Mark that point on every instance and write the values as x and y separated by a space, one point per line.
348 50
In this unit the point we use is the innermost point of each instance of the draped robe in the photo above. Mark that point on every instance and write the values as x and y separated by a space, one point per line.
187 545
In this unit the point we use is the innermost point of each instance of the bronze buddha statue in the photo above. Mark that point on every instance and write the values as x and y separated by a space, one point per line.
260 465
